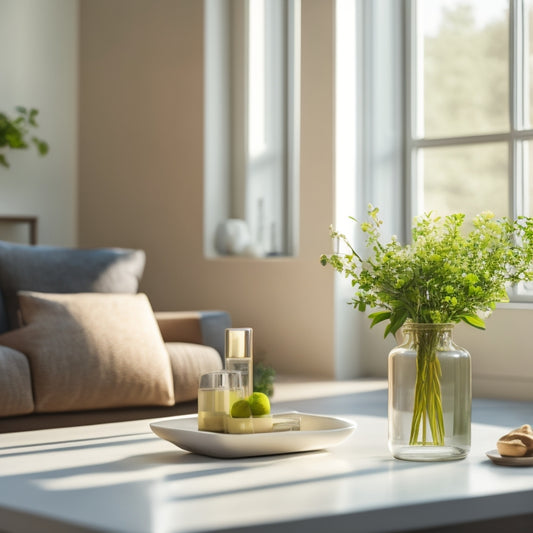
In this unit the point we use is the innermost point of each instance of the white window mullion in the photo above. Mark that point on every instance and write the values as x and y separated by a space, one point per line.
516 101
383 111
414 125
518 66
524 83
519 113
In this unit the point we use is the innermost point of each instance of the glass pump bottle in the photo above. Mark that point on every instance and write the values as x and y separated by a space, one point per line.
239 356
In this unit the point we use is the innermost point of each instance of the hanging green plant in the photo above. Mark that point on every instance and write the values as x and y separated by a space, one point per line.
15 133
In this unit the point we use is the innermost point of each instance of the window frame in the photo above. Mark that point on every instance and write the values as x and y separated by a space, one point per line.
279 153
227 187
515 137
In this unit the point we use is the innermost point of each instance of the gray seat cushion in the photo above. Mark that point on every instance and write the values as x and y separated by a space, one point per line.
15 383
64 270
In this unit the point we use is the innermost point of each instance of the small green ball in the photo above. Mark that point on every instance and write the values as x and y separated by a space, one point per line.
241 409
259 404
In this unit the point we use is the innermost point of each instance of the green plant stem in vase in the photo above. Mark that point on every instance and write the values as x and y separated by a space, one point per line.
445 275
427 408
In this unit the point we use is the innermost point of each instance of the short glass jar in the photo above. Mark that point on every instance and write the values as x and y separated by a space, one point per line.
217 392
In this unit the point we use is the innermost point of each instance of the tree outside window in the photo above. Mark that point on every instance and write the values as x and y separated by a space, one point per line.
469 136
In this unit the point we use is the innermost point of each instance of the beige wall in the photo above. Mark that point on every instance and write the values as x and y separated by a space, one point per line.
141 174
38 66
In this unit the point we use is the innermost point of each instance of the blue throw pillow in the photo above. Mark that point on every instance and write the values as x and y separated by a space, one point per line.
64 270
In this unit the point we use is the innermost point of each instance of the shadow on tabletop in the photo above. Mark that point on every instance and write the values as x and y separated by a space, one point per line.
374 403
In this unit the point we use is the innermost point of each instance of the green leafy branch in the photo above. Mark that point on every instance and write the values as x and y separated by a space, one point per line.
14 133
443 275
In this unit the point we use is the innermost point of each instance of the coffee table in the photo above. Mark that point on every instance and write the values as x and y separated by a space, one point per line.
121 477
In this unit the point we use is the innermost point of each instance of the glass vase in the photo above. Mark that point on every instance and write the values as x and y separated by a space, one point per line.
430 395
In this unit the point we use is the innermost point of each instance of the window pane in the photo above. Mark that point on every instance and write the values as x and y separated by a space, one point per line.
528 170
465 66
257 58
528 62
466 179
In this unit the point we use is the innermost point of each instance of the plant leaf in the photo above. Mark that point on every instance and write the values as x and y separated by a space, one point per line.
31 117
379 316
42 146
473 320
397 320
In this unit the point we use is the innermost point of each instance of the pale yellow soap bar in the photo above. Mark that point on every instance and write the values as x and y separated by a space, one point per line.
260 424
286 423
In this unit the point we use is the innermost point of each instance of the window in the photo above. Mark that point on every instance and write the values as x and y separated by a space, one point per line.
252 66
270 104
420 122
469 117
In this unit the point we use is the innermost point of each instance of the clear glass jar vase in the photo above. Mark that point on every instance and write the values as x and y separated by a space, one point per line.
430 395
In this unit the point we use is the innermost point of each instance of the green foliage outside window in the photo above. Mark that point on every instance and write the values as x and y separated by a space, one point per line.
466 92
466 69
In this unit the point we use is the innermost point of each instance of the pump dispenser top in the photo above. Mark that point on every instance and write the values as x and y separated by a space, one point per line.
239 342
239 355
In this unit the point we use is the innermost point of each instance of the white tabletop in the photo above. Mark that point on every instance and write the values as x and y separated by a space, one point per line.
121 477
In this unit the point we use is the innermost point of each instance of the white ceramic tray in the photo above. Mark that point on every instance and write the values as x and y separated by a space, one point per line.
316 432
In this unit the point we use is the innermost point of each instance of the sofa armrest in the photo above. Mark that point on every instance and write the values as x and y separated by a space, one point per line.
197 327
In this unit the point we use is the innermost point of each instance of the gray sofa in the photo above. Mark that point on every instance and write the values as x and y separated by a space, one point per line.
80 345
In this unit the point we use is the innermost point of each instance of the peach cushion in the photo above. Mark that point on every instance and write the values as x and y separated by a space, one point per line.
189 361
91 351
